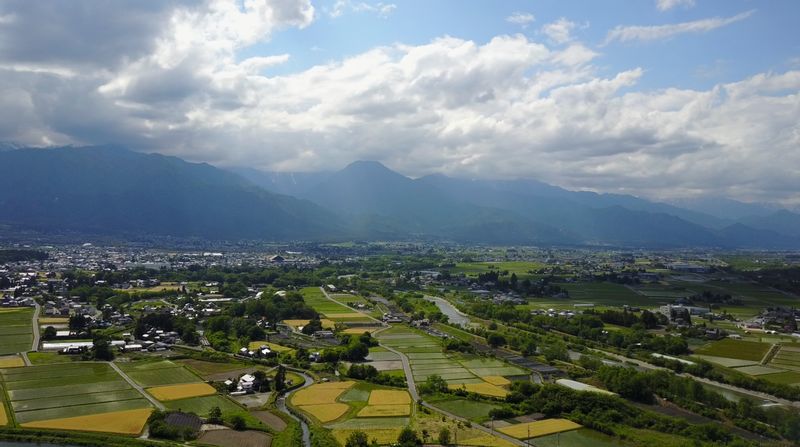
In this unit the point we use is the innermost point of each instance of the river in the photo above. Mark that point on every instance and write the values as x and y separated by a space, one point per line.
454 315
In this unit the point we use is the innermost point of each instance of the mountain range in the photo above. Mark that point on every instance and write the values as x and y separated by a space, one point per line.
111 190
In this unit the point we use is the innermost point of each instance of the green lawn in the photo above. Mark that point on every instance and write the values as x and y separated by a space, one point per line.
735 349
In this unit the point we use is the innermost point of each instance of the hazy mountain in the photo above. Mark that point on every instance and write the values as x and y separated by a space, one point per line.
288 183
724 208
376 199
783 222
110 190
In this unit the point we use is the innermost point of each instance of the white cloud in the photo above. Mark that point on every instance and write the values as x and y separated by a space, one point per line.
658 32
559 31
522 19
666 5
383 10
509 107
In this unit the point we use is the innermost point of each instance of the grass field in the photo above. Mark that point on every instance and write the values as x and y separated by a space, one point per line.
577 438
735 349
210 368
164 372
51 392
183 391
49 358
16 332
539 428
785 378
606 294
469 409
130 422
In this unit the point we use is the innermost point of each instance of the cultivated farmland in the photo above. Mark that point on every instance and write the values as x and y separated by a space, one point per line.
539 428
129 422
16 333
735 349
183 391
69 396
152 374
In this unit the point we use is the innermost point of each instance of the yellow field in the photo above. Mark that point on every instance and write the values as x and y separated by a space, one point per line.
3 417
539 428
372 411
389 397
175 392
486 441
496 380
320 393
11 361
484 389
129 422
277 348
326 412
382 435
326 324
345 315
359 330
53 320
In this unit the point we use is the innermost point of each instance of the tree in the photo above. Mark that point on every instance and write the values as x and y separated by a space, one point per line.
215 415
49 333
408 438
357 439
313 325
444 436
280 378
495 340
238 422
102 349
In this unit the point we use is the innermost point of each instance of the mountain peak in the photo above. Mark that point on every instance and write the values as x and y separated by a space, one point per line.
366 165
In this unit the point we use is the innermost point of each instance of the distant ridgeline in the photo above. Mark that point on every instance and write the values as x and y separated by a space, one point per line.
13 255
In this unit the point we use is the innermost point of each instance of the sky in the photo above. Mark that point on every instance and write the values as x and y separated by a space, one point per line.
663 99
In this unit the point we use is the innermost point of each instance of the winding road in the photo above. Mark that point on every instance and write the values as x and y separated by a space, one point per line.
36 335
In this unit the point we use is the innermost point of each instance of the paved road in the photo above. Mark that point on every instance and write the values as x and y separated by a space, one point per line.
136 386
36 336
281 404
412 389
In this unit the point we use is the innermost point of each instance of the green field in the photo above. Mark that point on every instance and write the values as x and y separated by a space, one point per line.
163 372
314 297
583 437
469 409
523 269
68 390
16 333
203 405
735 349
606 294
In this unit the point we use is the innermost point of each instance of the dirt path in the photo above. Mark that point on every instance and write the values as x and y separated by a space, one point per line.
138 388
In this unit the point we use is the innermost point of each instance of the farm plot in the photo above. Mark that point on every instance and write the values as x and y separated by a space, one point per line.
73 396
482 388
11 361
130 422
183 391
383 403
319 400
539 428
758 370
272 346
297 324
232 438
788 357
202 406
606 294
16 332
206 369
469 409
332 310
735 349
385 430
152 374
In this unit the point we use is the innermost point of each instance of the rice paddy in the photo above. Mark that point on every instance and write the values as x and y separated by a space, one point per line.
72 396
130 422
735 349
16 332
184 391
152 374
483 388
297 324
319 400
11 361
539 428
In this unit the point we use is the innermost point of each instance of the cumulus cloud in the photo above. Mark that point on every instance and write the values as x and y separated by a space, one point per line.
509 107
559 31
522 19
666 5
658 32
383 10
